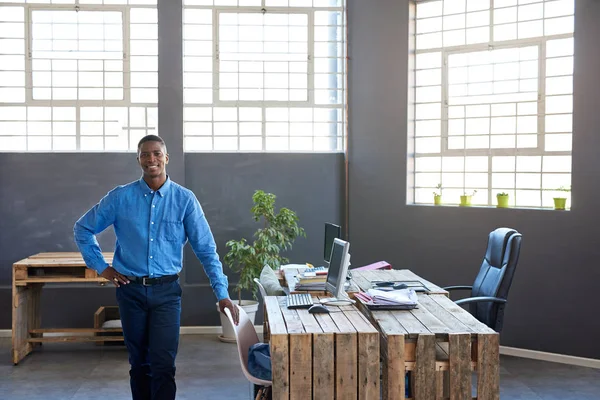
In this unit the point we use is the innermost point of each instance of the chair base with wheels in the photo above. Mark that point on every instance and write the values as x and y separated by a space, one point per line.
262 392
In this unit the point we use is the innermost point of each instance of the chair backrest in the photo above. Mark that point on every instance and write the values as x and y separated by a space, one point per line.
245 336
496 275
261 288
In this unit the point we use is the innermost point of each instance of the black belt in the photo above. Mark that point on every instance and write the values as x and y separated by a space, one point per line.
147 281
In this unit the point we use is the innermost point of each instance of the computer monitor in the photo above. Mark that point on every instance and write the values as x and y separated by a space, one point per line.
332 232
336 275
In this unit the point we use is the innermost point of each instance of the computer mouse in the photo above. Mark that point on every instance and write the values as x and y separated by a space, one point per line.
318 309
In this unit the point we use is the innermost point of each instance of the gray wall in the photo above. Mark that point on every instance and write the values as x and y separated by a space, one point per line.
552 305
43 195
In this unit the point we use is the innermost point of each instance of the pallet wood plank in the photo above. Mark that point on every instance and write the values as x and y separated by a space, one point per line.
60 339
462 315
324 366
433 324
300 365
368 355
460 366
410 322
279 345
309 321
361 282
346 361
488 360
326 323
276 321
424 372
394 369
292 320
443 314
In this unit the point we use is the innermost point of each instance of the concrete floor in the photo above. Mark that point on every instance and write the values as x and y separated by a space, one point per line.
209 369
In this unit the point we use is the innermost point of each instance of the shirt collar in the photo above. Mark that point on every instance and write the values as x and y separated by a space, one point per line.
162 191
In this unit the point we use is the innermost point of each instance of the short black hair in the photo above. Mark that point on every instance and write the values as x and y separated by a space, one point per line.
151 138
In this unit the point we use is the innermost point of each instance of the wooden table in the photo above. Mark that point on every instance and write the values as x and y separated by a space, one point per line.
322 356
29 276
439 344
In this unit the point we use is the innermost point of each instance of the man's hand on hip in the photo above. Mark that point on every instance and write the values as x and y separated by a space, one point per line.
226 303
116 278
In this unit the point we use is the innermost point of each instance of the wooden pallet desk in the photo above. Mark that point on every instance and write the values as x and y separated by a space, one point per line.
322 356
440 343
29 276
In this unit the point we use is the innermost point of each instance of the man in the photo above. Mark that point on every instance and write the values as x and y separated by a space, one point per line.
153 218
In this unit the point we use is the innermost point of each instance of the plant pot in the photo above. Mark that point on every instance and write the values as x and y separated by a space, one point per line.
465 201
228 335
502 201
560 203
437 199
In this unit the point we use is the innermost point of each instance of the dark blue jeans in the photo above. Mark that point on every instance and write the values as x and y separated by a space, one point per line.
150 316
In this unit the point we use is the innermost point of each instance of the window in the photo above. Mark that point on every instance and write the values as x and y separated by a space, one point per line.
77 76
493 99
264 75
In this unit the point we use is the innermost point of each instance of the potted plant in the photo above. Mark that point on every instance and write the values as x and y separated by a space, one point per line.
437 195
502 200
465 199
560 201
277 234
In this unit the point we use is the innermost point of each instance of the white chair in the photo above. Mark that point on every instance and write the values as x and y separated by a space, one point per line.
261 288
245 336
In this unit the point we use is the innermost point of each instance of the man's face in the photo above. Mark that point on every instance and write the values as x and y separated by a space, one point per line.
153 159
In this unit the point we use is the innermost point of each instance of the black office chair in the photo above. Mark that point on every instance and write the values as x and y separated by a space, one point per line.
490 290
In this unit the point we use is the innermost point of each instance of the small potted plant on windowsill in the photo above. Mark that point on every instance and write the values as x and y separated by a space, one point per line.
465 199
437 195
502 200
560 201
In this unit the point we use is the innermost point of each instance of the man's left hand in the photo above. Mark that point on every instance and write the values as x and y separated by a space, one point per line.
226 303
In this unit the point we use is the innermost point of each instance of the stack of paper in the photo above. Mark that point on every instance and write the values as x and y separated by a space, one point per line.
402 299
311 283
394 297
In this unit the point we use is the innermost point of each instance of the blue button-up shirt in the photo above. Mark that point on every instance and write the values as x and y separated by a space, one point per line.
152 228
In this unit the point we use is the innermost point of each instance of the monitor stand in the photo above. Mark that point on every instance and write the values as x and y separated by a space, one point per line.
335 301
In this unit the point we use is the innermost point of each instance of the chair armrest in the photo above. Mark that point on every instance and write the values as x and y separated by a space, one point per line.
461 287
480 299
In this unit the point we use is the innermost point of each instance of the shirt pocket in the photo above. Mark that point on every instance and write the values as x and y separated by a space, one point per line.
172 231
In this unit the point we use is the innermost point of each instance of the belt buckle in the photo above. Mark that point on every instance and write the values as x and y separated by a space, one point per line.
144 281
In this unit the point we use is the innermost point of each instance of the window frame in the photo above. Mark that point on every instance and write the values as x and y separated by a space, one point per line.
491 44
341 124
125 9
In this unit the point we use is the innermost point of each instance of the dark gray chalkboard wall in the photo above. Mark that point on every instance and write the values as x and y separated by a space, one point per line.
552 304
49 192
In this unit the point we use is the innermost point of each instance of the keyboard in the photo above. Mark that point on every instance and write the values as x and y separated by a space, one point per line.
299 300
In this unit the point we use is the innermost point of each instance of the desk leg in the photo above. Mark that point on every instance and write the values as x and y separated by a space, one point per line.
280 360
394 368
488 367
35 311
21 306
